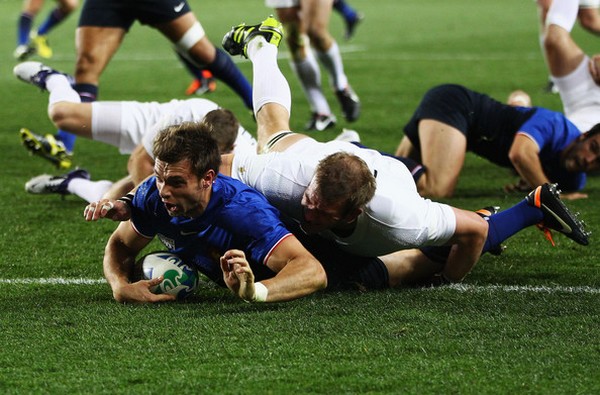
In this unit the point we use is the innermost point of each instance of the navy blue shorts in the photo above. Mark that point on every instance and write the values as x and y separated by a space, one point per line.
122 13
488 125
344 270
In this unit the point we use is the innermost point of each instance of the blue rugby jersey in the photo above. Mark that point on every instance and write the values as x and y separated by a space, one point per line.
237 217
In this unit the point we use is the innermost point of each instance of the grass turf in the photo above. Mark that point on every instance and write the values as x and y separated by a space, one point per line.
499 334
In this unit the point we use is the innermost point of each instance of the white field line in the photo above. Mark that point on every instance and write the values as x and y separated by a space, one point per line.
556 289
53 281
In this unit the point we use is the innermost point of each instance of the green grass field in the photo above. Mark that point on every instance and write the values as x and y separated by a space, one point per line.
525 322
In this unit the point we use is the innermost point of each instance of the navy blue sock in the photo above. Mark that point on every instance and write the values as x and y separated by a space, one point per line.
55 17
88 93
224 69
343 8
194 70
508 222
23 28
501 226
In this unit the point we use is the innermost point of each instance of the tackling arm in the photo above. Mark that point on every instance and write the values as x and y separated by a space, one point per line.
298 273
468 240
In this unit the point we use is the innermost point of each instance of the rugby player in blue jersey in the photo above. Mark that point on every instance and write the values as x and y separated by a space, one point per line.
203 216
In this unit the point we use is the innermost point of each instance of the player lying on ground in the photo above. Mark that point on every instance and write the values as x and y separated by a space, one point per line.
363 202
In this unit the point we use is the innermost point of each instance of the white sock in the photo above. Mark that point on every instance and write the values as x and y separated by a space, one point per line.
309 74
332 61
61 90
563 13
88 190
268 83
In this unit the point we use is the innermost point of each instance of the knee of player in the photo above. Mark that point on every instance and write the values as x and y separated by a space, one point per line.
190 43
428 187
320 41
68 6
58 114
554 37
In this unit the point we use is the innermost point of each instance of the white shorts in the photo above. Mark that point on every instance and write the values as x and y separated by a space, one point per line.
589 3
191 110
123 124
282 3
580 97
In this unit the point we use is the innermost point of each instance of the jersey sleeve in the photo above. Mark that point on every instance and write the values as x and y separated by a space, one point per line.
256 223
140 220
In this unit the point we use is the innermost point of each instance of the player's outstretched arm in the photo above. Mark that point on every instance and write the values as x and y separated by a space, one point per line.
119 260
299 273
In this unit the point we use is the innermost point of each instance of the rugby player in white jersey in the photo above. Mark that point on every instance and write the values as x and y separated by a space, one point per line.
365 203
302 179
128 125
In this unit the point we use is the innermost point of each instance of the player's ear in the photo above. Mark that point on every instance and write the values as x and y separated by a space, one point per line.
208 179
352 215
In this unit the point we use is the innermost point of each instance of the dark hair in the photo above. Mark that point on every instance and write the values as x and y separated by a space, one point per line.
191 141
593 131
345 177
223 127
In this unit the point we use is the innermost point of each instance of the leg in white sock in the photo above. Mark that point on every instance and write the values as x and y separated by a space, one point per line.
88 190
332 61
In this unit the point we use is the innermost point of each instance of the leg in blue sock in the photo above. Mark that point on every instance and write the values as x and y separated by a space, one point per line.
88 94
23 28
501 227
53 19
224 69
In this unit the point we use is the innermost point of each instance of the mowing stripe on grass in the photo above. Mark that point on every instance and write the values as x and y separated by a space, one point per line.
454 287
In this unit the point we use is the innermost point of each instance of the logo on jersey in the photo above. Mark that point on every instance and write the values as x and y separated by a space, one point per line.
169 243
179 6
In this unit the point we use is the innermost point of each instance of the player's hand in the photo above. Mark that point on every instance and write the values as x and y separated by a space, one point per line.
107 208
520 186
139 292
573 195
594 68
238 275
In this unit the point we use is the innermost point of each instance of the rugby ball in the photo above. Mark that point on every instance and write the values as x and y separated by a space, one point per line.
180 279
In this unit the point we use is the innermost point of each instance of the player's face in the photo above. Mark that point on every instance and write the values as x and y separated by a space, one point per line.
317 216
583 155
181 191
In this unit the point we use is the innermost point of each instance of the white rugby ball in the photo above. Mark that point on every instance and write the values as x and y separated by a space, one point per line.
180 279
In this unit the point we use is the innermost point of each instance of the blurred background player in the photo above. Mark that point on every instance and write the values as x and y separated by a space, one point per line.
542 146
30 41
350 15
102 27
204 82
307 26
128 125
587 14
573 72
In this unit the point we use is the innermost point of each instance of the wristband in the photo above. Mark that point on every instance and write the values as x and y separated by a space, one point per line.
128 200
260 292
